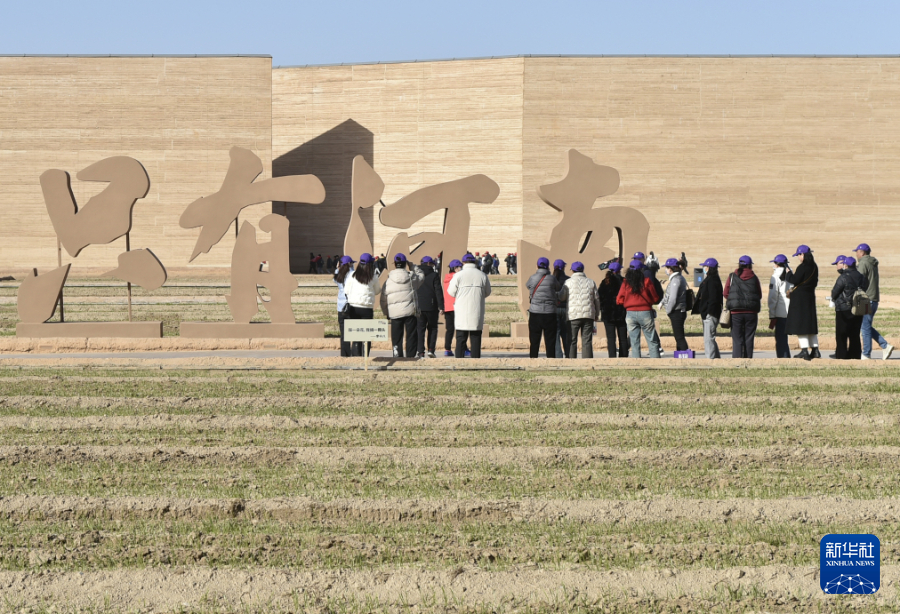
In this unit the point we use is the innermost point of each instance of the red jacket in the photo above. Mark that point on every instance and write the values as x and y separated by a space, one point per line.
449 301
637 302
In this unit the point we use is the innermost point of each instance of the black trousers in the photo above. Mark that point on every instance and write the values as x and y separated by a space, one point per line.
399 326
427 322
471 338
847 330
743 334
542 324
677 319
782 346
358 313
619 329
345 345
584 326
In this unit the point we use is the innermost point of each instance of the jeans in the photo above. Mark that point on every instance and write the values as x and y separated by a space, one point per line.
359 313
638 321
710 346
563 338
743 334
782 346
542 324
613 330
407 324
428 321
677 319
869 332
846 332
471 336
585 326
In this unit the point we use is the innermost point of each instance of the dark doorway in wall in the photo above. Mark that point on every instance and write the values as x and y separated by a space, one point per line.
320 228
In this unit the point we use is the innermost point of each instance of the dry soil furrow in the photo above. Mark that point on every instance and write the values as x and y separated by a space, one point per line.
657 509
194 422
887 456
170 589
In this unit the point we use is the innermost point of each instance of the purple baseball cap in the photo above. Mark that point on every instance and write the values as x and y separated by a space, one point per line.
468 258
455 263
346 260
614 266
671 262
427 260
401 257
577 267
366 258
849 261
710 262
862 246
803 249
559 264
636 264
840 259
638 256
543 263
745 260
779 259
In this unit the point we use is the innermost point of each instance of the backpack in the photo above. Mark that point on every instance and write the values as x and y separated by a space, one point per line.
859 304
689 300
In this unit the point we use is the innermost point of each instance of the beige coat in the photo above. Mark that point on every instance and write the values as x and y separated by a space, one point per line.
398 296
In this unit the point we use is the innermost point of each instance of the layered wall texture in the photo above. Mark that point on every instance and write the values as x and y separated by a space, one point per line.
179 116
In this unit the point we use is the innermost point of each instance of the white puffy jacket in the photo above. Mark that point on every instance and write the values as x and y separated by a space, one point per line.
398 296
469 287
361 295
581 293
778 300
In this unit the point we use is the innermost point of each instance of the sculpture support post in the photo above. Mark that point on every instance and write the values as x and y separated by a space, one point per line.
128 249
62 311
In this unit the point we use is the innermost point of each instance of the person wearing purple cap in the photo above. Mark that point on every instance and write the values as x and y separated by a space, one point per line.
638 295
579 293
847 325
400 304
867 265
345 268
469 288
743 297
709 306
802 320
674 302
430 296
361 288
563 327
454 267
778 303
542 292
611 314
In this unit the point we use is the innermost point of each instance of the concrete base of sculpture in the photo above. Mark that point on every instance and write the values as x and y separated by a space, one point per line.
88 330
518 329
442 328
253 330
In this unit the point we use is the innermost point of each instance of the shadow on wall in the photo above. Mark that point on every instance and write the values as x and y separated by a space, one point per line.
320 228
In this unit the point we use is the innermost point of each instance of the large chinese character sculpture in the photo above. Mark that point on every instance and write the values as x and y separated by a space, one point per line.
105 218
583 231
453 197
253 264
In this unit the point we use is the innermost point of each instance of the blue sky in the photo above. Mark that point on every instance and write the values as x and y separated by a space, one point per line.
351 31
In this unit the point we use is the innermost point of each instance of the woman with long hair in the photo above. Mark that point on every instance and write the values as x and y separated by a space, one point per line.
360 289
801 319
563 330
346 265
611 314
779 303
638 296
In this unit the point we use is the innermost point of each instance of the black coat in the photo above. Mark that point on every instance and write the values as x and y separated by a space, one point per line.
709 295
607 293
845 287
430 294
801 318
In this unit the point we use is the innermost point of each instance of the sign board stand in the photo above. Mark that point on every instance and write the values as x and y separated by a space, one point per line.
365 331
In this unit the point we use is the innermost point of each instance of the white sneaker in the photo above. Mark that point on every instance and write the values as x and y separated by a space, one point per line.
886 352
864 357
430 355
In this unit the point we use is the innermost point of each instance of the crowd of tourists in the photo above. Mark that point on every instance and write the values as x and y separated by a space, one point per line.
565 308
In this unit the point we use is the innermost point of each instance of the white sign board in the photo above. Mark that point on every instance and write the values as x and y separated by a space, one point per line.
366 330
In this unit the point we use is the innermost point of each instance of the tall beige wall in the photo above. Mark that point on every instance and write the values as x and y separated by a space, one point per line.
418 124
727 156
178 116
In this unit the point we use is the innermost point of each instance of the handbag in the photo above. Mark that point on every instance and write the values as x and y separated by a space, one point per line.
725 318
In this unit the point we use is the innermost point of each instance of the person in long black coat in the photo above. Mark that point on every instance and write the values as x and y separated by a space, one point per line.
801 319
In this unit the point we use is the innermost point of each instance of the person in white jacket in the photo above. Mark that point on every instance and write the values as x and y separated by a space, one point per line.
360 289
778 306
583 307
469 287
399 303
